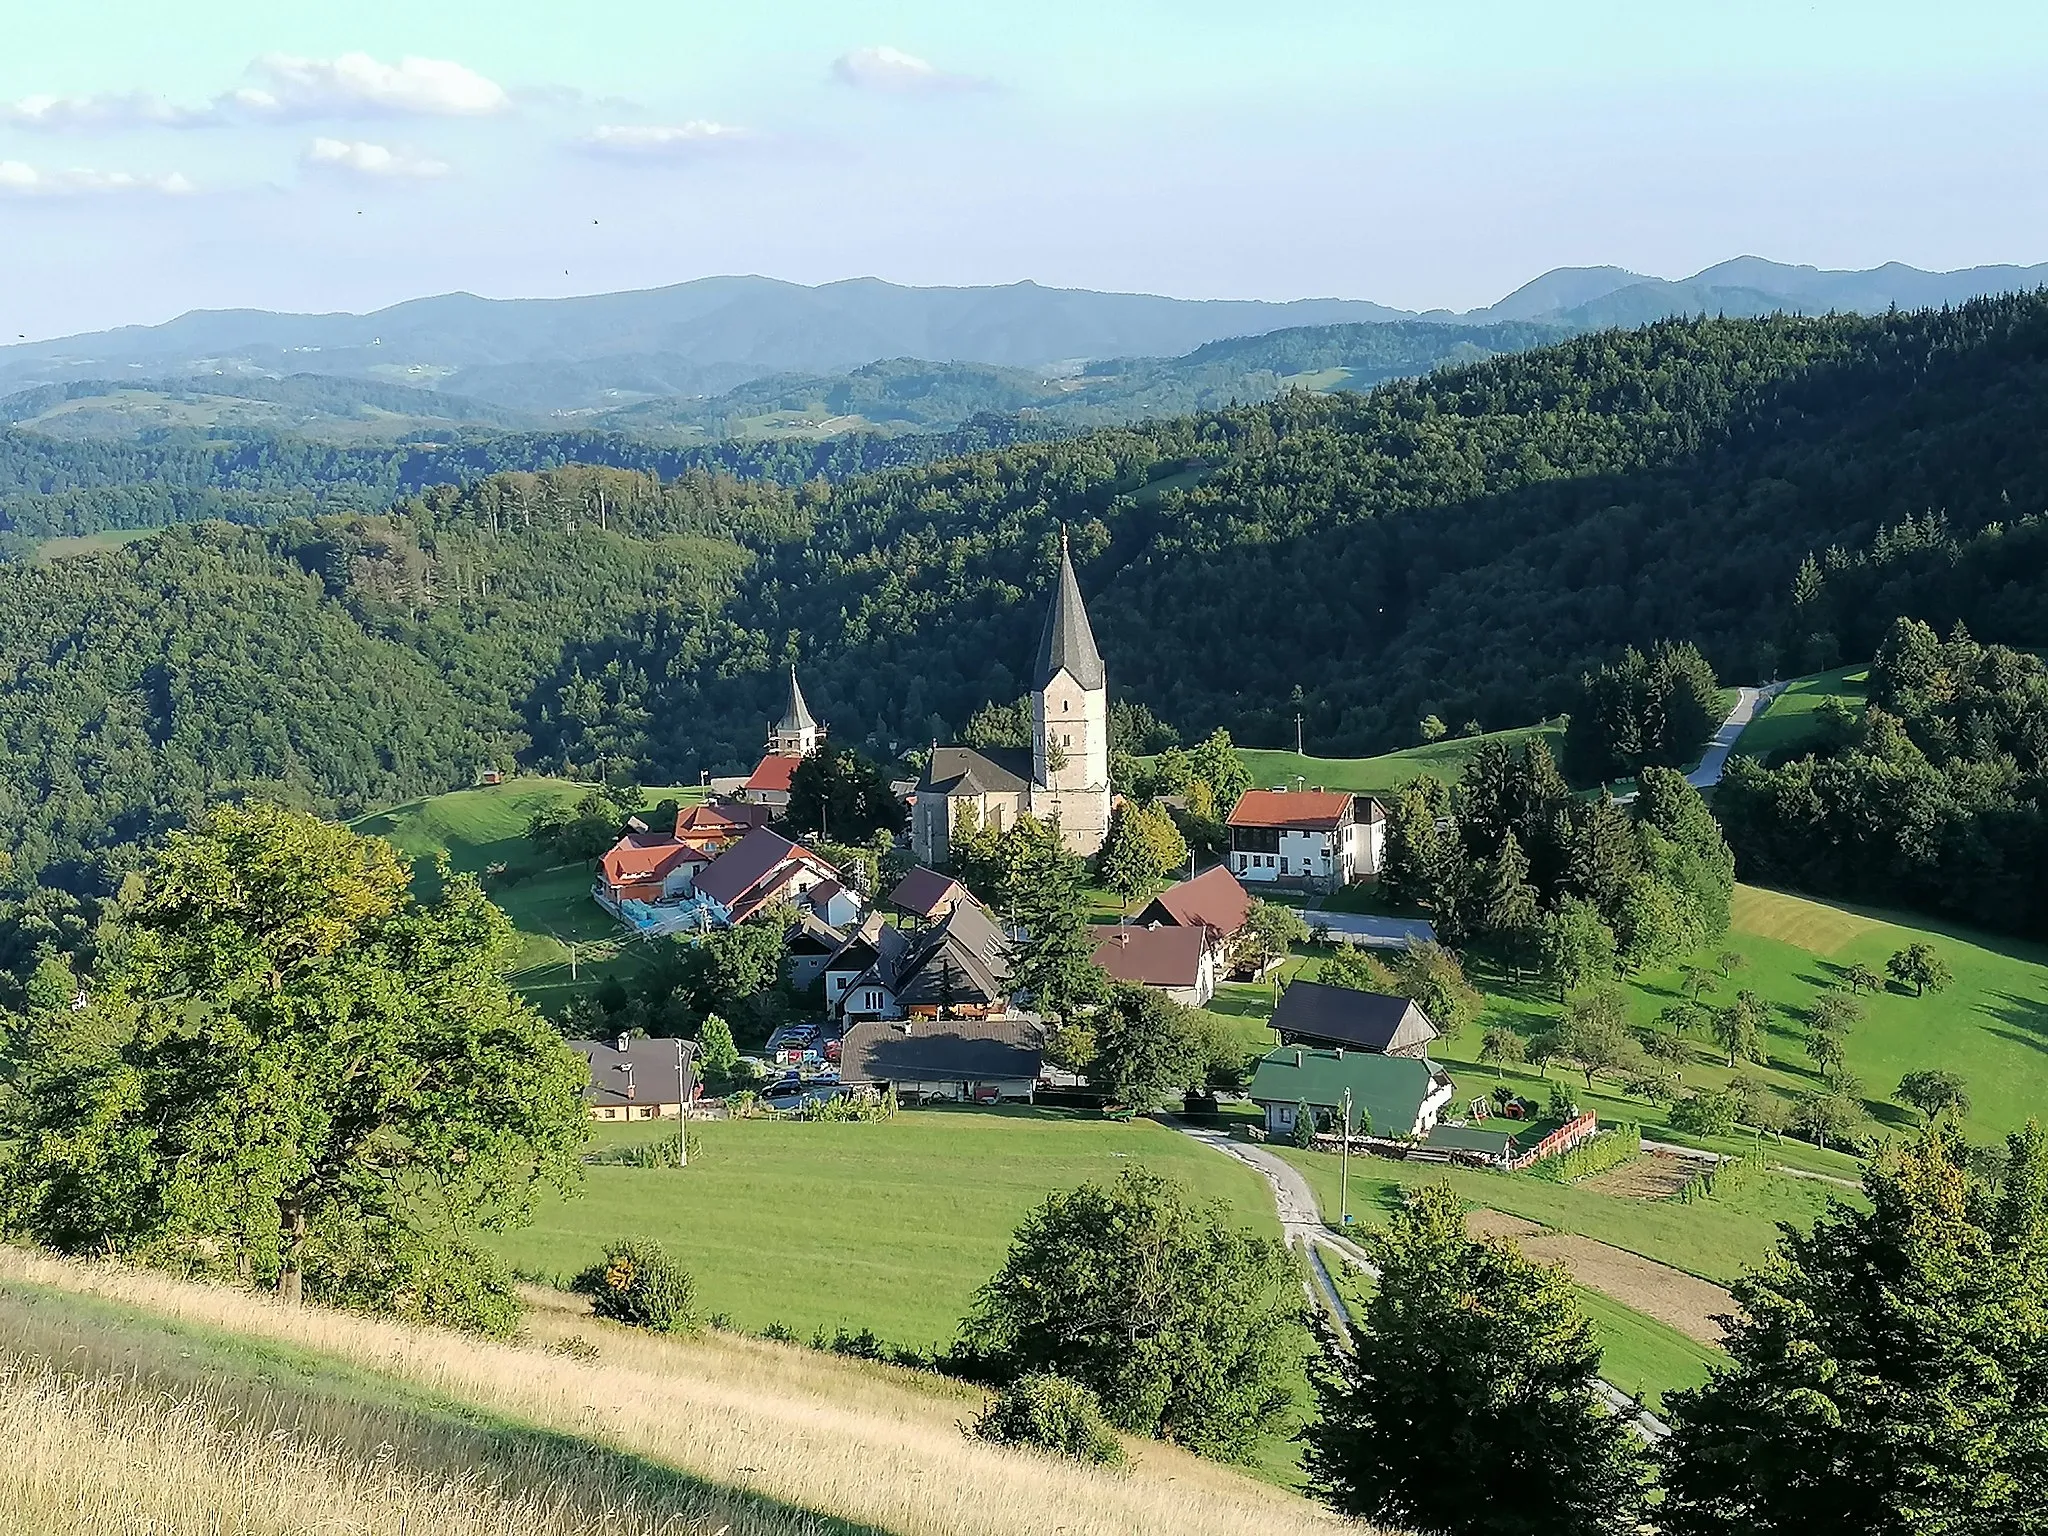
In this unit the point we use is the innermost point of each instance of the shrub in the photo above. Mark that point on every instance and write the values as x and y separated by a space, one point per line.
1707 1114
638 1283
1050 1413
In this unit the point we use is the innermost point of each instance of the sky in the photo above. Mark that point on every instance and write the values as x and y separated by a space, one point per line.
1430 153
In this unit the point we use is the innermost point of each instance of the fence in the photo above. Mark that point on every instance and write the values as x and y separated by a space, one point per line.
1561 1141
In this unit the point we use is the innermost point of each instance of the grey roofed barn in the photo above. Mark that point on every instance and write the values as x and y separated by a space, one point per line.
941 1050
1317 1014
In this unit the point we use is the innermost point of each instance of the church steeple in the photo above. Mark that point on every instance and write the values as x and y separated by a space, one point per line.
1068 644
796 734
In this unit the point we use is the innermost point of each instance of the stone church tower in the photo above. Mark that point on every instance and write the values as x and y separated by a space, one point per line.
1070 720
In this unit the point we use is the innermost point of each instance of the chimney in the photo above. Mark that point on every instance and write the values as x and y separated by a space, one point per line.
1297 1056
621 1043
1340 1053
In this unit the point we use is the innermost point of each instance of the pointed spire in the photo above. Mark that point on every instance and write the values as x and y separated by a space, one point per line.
1068 644
798 716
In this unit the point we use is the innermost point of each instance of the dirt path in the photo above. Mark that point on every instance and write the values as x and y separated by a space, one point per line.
1671 1296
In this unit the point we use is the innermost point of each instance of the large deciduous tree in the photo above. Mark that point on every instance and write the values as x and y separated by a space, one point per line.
316 1080
1147 1048
1890 1368
1184 1326
837 792
1471 1407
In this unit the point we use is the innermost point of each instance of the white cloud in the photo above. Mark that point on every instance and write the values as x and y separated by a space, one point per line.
674 142
359 158
357 85
21 180
287 88
891 69
107 110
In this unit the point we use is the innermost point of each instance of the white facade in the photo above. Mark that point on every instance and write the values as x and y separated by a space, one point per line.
1325 859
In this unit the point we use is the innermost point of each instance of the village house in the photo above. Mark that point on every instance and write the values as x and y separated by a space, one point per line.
964 1060
959 967
926 895
792 739
657 868
1312 839
1399 1096
636 1078
1064 774
765 868
1213 901
1176 961
1311 1013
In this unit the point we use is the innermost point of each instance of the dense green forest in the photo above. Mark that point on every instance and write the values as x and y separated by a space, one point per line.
1933 799
51 488
1468 545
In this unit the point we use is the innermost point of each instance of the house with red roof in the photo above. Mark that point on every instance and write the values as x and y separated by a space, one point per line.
645 866
1309 839
1215 900
1176 961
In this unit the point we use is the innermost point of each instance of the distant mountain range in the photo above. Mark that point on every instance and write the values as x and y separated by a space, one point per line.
752 355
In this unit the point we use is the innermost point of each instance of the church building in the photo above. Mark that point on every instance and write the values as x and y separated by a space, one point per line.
794 737
1065 772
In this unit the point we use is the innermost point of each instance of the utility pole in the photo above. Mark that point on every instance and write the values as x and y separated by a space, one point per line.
1344 1178
1297 735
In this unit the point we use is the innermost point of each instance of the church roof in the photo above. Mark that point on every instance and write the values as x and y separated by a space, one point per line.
797 717
971 771
1068 644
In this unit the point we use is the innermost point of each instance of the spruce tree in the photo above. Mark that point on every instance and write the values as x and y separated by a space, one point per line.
1890 1368
1471 1406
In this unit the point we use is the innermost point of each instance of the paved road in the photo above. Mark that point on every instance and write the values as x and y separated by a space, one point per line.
1747 704
1369 932
1301 1222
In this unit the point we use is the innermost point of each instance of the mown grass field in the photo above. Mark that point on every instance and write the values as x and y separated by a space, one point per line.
1382 775
1789 723
548 903
1643 1357
889 1226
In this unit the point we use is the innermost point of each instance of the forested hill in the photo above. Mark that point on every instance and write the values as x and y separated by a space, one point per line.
1461 545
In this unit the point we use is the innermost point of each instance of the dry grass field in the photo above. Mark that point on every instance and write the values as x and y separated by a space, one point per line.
136 1401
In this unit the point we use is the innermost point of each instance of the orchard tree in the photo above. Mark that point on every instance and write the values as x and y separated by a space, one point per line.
1919 967
1887 1372
1861 978
1933 1093
1472 1405
1594 1035
1184 1326
1739 1027
1501 1046
1431 977
321 1081
1269 931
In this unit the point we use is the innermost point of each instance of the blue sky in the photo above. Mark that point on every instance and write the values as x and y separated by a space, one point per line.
156 158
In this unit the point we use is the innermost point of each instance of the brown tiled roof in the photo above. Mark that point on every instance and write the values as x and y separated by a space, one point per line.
940 1050
1309 810
1213 899
925 892
755 870
1152 957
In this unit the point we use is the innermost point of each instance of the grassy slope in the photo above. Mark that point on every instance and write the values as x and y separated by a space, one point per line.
551 906
1640 1355
887 1226
1789 723
639 1433
1382 775
66 547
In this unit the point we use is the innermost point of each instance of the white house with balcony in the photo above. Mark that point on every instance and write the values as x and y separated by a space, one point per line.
1310 839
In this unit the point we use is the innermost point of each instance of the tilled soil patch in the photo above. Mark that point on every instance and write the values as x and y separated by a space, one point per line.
1671 1296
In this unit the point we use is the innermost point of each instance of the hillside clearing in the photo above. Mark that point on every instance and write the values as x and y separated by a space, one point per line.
1384 774
755 1436
1790 722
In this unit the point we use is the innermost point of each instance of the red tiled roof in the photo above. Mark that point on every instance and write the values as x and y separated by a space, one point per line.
1309 810
719 821
773 773
646 858
1152 957
1213 899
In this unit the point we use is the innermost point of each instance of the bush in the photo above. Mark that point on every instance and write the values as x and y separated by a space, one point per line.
1050 1413
639 1284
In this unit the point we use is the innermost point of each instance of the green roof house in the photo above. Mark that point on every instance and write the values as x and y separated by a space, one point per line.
1403 1094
